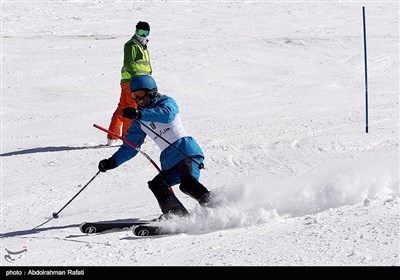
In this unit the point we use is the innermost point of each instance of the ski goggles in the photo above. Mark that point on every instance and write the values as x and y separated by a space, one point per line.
143 33
136 97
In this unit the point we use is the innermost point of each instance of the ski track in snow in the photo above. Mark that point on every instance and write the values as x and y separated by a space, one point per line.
277 106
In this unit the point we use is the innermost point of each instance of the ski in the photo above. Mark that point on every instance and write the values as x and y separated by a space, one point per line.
143 230
151 230
98 227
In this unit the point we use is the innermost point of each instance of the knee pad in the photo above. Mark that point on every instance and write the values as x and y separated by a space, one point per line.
193 188
166 199
159 187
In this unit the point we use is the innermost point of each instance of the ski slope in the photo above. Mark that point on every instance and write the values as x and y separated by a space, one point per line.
273 92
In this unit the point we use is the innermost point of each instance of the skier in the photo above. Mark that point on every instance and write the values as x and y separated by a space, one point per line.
136 62
160 114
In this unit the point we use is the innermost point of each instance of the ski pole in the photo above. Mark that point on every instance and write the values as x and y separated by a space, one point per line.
366 72
55 214
133 146
130 144
200 165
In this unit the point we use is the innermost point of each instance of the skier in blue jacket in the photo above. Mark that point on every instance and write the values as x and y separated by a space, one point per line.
160 113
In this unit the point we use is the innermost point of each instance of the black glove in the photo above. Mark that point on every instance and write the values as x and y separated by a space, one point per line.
131 113
107 164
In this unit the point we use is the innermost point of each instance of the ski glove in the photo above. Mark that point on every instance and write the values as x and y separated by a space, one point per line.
107 164
131 113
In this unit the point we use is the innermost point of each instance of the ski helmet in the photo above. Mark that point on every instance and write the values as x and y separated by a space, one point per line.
144 82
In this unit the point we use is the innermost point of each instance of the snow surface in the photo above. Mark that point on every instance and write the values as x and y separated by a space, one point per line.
274 93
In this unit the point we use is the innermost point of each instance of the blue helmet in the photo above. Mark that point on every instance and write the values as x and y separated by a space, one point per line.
145 82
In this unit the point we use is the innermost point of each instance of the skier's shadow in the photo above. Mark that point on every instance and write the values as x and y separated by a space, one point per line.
34 231
53 149
38 230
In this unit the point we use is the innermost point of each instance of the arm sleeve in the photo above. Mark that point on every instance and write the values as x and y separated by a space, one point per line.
165 112
127 152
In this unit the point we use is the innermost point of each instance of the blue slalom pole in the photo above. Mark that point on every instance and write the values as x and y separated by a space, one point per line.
366 75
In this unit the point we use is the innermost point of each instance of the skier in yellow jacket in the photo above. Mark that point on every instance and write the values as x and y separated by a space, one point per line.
136 63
